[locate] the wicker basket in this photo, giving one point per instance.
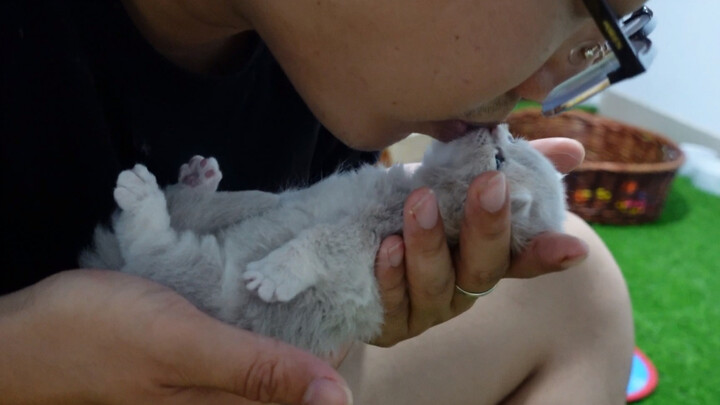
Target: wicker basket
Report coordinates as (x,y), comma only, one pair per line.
(627,170)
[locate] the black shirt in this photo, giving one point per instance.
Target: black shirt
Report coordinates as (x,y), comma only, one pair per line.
(83,96)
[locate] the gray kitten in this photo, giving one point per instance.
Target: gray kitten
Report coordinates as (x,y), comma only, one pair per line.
(298,265)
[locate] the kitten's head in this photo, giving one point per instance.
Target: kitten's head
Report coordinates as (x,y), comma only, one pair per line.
(536,191)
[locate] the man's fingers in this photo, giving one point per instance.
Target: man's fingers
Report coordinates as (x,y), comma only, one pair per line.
(206,353)
(484,251)
(206,396)
(428,262)
(390,275)
(548,252)
(566,154)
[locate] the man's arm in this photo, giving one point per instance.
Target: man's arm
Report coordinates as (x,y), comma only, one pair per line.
(91,336)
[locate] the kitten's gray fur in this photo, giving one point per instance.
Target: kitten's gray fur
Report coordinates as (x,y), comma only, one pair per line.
(299,265)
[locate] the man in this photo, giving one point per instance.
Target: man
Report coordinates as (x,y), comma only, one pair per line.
(91,87)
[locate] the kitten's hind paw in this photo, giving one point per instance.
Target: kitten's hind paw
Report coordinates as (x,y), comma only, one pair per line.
(201,174)
(280,277)
(134,187)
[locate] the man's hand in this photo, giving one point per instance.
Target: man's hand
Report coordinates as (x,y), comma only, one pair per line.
(109,338)
(417,272)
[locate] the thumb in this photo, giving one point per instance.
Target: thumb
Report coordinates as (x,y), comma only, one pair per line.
(211,354)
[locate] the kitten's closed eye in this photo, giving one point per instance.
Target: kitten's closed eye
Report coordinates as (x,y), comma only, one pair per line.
(499,158)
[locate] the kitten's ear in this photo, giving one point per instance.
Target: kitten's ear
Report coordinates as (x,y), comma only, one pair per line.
(520,202)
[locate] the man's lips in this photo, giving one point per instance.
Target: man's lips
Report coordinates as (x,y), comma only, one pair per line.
(450,130)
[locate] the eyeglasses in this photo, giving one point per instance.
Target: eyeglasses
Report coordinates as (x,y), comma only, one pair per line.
(626,53)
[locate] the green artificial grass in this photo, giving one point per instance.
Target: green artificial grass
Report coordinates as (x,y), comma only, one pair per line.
(672,267)
(532,104)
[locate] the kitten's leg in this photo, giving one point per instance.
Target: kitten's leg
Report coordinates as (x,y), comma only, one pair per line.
(285,272)
(189,264)
(317,255)
(144,214)
(194,204)
(200,174)
(138,195)
(143,209)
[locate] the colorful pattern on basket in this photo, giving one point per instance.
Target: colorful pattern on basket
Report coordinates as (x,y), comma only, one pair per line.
(633,203)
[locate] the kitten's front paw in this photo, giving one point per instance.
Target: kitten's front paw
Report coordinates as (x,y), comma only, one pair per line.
(201,174)
(134,187)
(279,277)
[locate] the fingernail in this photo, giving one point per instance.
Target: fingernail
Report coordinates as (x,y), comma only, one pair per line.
(492,197)
(572,262)
(395,254)
(425,211)
(576,259)
(563,161)
(327,392)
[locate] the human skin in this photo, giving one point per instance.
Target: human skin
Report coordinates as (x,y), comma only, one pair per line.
(563,338)
(373,72)
(104,337)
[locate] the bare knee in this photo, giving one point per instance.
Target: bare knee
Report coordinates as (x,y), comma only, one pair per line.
(591,332)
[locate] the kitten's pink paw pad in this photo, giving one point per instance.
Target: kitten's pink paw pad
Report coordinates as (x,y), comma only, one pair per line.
(200,172)
(134,187)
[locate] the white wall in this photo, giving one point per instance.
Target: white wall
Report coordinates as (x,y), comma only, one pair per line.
(679,96)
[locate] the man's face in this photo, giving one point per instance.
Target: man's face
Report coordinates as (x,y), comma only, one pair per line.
(374,71)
